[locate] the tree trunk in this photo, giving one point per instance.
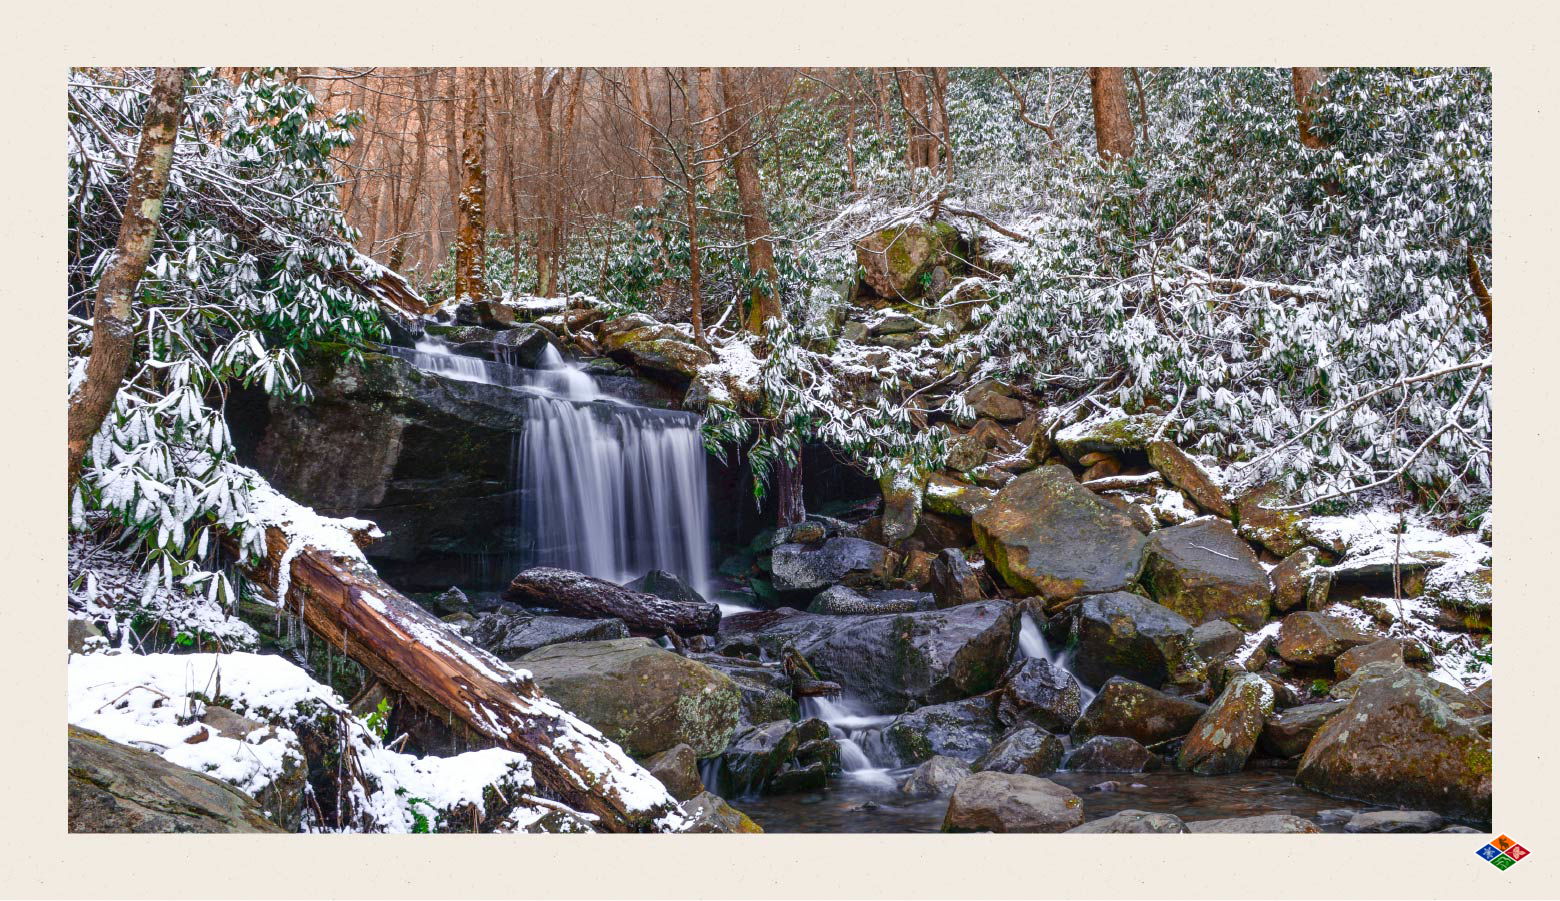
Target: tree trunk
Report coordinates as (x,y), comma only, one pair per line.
(920,144)
(452,169)
(577,594)
(470,251)
(709,129)
(1112,119)
(788,492)
(941,130)
(403,226)
(1305,80)
(691,192)
(113,313)
(765,301)
(647,185)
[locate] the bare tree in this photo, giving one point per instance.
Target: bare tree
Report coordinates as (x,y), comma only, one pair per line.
(470,247)
(709,129)
(765,298)
(1305,80)
(1112,119)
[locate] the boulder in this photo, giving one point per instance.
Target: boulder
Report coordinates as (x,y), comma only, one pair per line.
(671,360)
(1117,434)
(953,581)
(1461,595)
(897,262)
(113,787)
(936,777)
(512,635)
(1227,733)
(677,768)
(1027,749)
(994,400)
(1184,472)
(903,491)
(523,345)
(1316,639)
(952,497)
(965,730)
(1048,535)
(1037,693)
(1217,639)
(1288,733)
(1348,688)
(710,813)
(1299,583)
(838,600)
(1485,693)
(1204,571)
(1267,823)
(1405,740)
(493,314)
(1132,822)
(1109,754)
(807,568)
(1395,821)
(1132,709)
(1280,531)
(1011,802)
(668,586)
(1121,634)
(757,754)
(1387,650)
(82,635)
(642,697)
(450,602)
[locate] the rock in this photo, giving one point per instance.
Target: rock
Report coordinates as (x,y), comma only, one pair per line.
(1395,821)
(640,696)
(512,635)
(1027,749)
(677,768)
(837,600)
(1048,535)
(897,262)
(1459,830)
(965,730)
(1462,596)
(953,581)
(1387,650)
(1316,639)
(524,345)
(670,360)
(853,561)
(1227,733)
(1485,693)
(1217,639)
(903,491)
(1184,472)
(1288,733)
(1268,823)
(1039,694)
(1299,583)
(1405,740)
(1131,709)
(1129,822)
(757,754)
(1113,433)
(450,602)
(710,813)
(952,497)
(666,585)
(1121,634)
(1010,802)
(916,572)
(1204,571)
(1279,531)
(117,788)
(83,636)
(229,724)
(936,777)
(493,314)
(994,400)
(1348,688)
(896,323)
(1109,754)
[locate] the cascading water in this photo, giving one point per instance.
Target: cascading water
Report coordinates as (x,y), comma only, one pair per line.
(859,737)
(1032,644)
(435,356)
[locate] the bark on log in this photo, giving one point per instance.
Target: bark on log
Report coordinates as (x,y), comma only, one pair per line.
(581,595)
(420,658)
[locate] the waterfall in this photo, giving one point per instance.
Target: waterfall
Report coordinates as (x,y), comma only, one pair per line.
(1032,644)
(435,356)
(858,735)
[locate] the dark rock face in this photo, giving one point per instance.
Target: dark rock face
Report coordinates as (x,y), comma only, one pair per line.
(1405,740)
(1217,640)
(1008,802)
(117,788)
(1039,694)
(839,600)
(964,730)
(953,581)
(1133,822)
(677,768)
(1288,733)
(936,778)
(855,562)
(1109,754)
(1299,582)
(1027,749)
(1134,710)
(1204,571)
(1227,733)
(1048,535)
(666,585)
(1121,634)
(1315,639)
(1268,823)
(1185,473)
(512,635)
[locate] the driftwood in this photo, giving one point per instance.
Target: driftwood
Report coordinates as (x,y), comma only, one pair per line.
(814,688)
(581,595)
(421,659)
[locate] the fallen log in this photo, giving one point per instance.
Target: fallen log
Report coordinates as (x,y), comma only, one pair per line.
(815,688)
(580,595)
(342,600)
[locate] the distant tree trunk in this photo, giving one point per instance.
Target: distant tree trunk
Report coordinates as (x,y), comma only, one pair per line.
(113,314)
(648,187)
(403,226)
(920,142)
(557,225)
(470,250)
(452,170)
(765,299)
(1112,119)
(941,130)
(543,91)
(691,192)
(1305,80)
(788,492)
(709,129)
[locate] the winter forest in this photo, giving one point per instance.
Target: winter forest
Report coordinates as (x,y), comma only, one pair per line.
(538,450)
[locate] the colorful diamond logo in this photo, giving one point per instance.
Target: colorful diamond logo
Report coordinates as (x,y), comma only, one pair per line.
(1489,852)
(1516,852)
(1503,862)
(1503,842)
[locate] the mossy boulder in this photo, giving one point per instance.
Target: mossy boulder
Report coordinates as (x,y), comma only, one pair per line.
(709,813)
(1316,639)
(953,497)
(902,494)
(964,730)
(677,768)
(1027,749)
(1122,634)
(1280,531)
(1184,472)
(856,562)
(1109,754)
(1204,571)
(1134,710)
(897,262)
(1227,733)
(1300,582)
(1011,802)
(1117,434)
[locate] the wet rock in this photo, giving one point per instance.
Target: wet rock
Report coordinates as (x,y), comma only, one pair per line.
(710,813)
(1048,535)
(666,585)
(677,768)
(1109,754)
(853,561)
(1395,821)
(953,581)
(640,696)
(1485,693)
(1217,640)
(1346,689)
(1316,639)
(1227,733)
(1268,823)
(1121,634)
(965,730)
(839,600)
(116,788)
(757,754)
(994,400)
(1027,749)
(1288,733)
(1132,822)
(1299,582)
(1279,531)
(1204,571)
(952,497)
(83,635)
(512,635)
(1184,472)
(1405,740)
(936,777)
(1387,650)
(1134,710)
(897,262)
(450,602)
(1115,434)
(1040,694)
(1011,802)
(915,571)
(903,491)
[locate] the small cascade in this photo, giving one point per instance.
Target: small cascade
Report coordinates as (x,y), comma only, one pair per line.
(435,356)
(859,737)
(1032,644)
